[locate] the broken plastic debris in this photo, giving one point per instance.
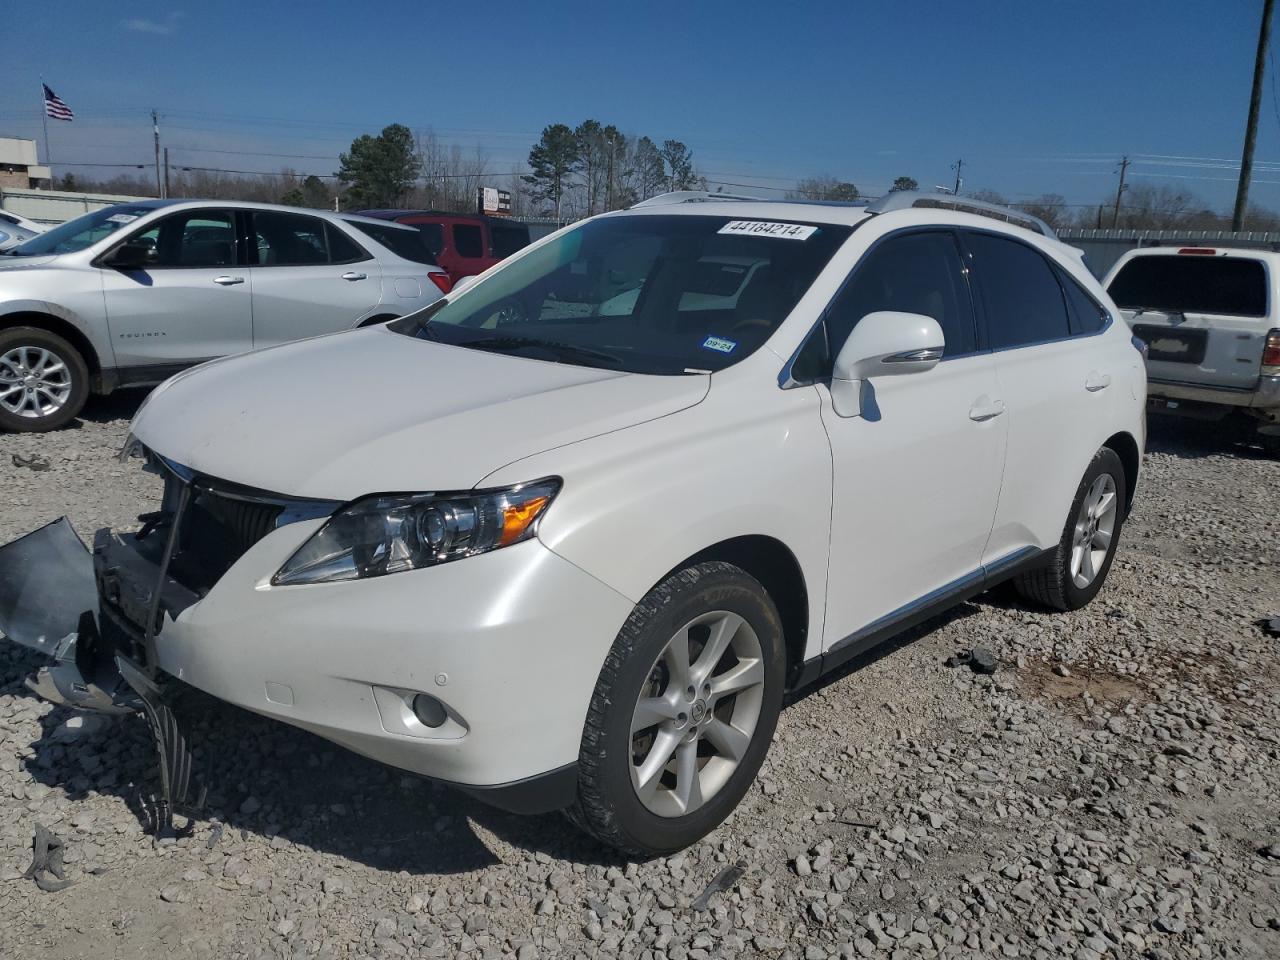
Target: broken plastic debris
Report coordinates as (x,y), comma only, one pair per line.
(726,879)
(979,660)
(46,859)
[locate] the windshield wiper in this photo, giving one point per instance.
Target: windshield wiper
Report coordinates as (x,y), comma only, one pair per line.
(566,350)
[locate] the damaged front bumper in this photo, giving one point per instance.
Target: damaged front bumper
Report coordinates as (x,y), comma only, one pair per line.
(510,642)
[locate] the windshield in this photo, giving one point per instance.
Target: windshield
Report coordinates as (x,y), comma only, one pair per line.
(81,232)
(1225,286)
(407,244)
(646,294)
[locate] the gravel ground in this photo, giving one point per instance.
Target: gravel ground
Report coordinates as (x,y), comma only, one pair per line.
(1113,790)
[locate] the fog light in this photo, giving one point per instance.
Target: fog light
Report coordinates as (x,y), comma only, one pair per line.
(429,711)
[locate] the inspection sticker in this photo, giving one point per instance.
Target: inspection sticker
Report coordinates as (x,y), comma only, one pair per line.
(121,218)
(768,228)
(719,344)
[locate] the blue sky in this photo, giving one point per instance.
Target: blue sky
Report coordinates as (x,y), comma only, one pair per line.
(1036,96)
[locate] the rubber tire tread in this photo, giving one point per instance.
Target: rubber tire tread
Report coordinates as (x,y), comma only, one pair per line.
(1048,585)
(592,812)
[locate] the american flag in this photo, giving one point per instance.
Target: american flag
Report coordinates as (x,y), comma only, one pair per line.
(54,108)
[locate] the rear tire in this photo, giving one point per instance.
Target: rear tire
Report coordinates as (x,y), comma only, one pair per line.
(1080,563)
(668,750)
(44,382)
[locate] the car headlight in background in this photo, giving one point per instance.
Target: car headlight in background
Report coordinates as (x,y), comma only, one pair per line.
(388,534)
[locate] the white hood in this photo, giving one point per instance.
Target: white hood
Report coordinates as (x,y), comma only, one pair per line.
(373,411)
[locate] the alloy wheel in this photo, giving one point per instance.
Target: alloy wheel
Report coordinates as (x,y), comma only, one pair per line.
(34,382)
(696,713)
(1094,529)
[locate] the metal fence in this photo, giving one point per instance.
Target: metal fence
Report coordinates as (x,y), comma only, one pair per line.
(1102,248)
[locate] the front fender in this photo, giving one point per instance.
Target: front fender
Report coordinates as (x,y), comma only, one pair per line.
(638,502)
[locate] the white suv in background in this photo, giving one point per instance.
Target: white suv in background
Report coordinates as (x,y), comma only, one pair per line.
(131,294)
(573,557)
(1210,317)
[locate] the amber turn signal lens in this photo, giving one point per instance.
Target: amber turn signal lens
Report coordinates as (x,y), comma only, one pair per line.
(516,519)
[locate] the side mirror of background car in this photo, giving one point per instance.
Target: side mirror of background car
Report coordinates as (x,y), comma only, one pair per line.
(883,344)
(131,256)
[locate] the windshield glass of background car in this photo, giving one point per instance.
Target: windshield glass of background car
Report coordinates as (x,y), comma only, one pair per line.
(1227,286)
(647,294)
(81,232)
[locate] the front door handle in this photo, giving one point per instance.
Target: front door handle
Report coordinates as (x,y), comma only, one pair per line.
(353,275)
(1097,381)
(228,281)
(984,408)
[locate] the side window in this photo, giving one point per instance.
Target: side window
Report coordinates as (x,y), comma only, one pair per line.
(1086,314)
(192,238)
(467,240)
(506,239)
(342,249)
(289,239)
(1021,297)
(914,273)
(432,236)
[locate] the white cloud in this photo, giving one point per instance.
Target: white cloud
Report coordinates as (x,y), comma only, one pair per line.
(161,27)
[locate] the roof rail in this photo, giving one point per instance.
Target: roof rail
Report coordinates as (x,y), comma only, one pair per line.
(906,199)
(689,196)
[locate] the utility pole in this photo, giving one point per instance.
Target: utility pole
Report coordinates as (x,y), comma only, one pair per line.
(1124,165)
(166,171)
(958,166)
(1251,127)
(155,130)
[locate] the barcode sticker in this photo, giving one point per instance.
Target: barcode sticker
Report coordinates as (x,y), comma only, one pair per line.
(768,228)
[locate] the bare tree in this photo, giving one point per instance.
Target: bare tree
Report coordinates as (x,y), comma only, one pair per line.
(824,187)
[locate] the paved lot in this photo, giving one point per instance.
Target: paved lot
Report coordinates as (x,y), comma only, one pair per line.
(1114,789)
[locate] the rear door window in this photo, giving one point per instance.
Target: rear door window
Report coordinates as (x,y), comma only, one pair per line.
(289,239)
(1228,286)
(432,237)
(1022,299)
(468,240)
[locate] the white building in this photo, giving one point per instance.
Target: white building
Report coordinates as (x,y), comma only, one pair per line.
(19,166)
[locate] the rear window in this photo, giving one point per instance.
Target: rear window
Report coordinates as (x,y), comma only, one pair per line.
(404,243)
(1230,286)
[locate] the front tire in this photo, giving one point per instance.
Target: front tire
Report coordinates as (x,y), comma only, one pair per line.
(1082,559)
(682,713)
(44,381)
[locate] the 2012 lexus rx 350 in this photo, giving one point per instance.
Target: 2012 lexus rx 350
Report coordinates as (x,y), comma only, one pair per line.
(565,539)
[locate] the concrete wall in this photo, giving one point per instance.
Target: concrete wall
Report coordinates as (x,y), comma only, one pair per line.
(55,206)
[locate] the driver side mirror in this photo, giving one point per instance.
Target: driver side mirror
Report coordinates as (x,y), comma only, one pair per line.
(131,256)
(886,343)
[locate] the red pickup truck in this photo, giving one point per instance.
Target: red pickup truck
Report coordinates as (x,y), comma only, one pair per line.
(464,244)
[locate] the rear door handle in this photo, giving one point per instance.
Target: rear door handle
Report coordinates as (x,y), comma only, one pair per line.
(228,281)
(1097,381)
(984,408)
(353,275)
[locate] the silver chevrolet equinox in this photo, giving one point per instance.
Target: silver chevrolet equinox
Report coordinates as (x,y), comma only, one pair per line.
(131,294)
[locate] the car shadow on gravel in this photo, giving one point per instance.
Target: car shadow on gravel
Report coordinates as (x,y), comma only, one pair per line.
(267,778)
(1194,439)
(886,649)
(120,405)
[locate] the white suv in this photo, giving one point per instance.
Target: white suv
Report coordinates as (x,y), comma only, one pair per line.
(1210,317)
(567,558)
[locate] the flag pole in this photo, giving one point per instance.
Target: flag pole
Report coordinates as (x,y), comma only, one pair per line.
(44,121)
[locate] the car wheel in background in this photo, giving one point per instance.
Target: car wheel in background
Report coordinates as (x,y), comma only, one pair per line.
(44,381)
(1080,563)
(682,713)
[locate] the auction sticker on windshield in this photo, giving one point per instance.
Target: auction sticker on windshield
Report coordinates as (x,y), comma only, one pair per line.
(767,228)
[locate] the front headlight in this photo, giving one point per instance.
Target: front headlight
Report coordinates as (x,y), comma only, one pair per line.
(388,534)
